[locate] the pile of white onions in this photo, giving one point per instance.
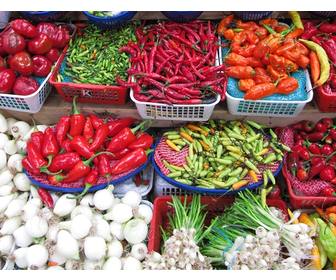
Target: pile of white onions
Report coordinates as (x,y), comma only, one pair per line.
(99,231)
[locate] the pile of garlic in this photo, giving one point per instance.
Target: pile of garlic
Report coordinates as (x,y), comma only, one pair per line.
(180,252)
(98,231)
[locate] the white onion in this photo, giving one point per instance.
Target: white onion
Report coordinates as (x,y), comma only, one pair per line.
(103,199)
(94,248)
(66,245)
(139,251)
(58,259)
(115,249)
(3,124)
(131,263)
(81,209)
(15,207)
(6,244)
(112,263)
(20,129)
(80,226)
(87,200)
(22,238)
(132,198)
(10,225)
(5,200)
(36,226)
(121,213)
(102,229)
(6,176)
(117,230)
(64,205)
(10,147)
(20,257)
(93,265)
(31,208)
(10,123)
(22,182)
(6,189)
(36,256)
(3,159)
(135,231)
(3,140)
(144,212)
(14,163)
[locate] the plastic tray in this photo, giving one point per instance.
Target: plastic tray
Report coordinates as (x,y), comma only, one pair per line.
(87,93)
(299,202)
(110,22)
(93,188)
(30,103)
(159,111)
(215,206)
(204,190)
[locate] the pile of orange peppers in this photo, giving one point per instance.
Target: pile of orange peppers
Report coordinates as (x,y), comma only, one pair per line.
(262,56)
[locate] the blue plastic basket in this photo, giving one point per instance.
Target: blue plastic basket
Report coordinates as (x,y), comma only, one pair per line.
(206,191)
(253,15)
(110,22)
(43,16)
(324,13)
(182,16)
(93,188)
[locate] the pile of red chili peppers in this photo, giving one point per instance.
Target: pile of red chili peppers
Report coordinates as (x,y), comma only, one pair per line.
(324,34)
(314,153)
(87,147)
(174,63)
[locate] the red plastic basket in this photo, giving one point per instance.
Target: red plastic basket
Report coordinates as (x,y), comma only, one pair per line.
(215,206)
(88,93)
(302,202)
(325,102)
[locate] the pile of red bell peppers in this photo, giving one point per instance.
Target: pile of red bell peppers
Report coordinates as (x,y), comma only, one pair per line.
(87,147)
(314,153)
(324,34)
(27,50)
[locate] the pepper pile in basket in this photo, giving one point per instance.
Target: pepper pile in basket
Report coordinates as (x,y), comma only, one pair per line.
(93,57)
(67,152)
(262,56)
(30,51)
(224,154)
(174,63)
(314,153)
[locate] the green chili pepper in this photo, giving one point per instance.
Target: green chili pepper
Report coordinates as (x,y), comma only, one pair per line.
(224,173)
(250,165)
(223,161)
(270,158)
(255,125)
(175,174)
(265,179)
(252,138)
(219,151)
(183,181)
(270,176)
(173,136)
(243,174)
(225,184)
(236,172)
(327,239)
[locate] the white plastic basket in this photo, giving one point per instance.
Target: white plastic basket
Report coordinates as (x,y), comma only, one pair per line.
(269,108)
(160,111)
(30,103)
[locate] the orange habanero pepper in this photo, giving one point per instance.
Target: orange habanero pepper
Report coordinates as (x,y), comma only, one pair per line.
(260,91)
(234,59)
(287,85)
(223,24)
(240,72)
(246,84)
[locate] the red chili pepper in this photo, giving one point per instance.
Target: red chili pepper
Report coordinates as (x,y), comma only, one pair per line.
(66,146)
(61,37)
(314,149)
(328,140)
(132,160)
(307,126)
(7,80)
(79,171)
(328,192)
(137,179)
(46,197)
(79,144)
(88,130)
(100,137)
(315,137)
(302,174)
(144,141)
(332,134)
(77,120)
(96,121)
(104,168)
(36,138)
(328,122)
(327,27)
(116,126)
(321,127)
(50,147)
(316,169)
(304,153)
(316,160)
(35,157)
(62,129)
(120,154)
(90,180)
(326,149)
(29,167)
(297,126)
(64,162)
(327,173)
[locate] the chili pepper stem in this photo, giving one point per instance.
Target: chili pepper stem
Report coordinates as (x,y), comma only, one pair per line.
(75,110)
(84,192)
(45,170)
(142,126)
(88,161)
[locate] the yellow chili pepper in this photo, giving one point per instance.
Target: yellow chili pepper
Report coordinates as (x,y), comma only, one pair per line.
(295,17)
(197,128)
(263,152)
(291,215)
(304,218)
(172,145)
(205,145)
(253,175)
(333,228)
(316,260)
(186,136)
(239,184)
(206,165)
(323,58)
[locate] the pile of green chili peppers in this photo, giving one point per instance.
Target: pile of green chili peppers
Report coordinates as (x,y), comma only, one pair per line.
(224,154)
(94,58)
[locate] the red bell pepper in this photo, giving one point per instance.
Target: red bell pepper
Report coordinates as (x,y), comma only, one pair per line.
(61,37)
(21,62)
(326,149)
(116,125)
(36,138)
(89,181)
(88,131)
(96,121)
(100,137)
(53,55)
(79,145)
(24,28)
(79,171)
(327,27)
(104,168)
(3,64)
(29,167)
(62,129)
(41,65)
(25,86)
(124,138)
(77,120)
(47,28)
(46,197)
(13,43)
(327,173)
(50,147)
(132,160)
(35,156)
(41,44)
(7,80)
(144,141)
(66,146)
(64,162)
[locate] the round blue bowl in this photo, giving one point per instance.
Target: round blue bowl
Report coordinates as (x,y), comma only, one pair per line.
(182,16)
(110,22)
(252,15)
(43,16)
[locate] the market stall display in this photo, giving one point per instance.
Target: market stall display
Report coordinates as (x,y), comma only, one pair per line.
(109,20)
